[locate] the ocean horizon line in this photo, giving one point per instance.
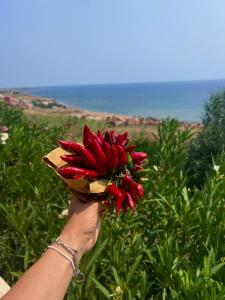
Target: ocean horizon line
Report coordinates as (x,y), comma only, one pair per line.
(110,83)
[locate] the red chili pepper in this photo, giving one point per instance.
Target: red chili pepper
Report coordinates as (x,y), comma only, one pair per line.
(122,155)
(113,135)
(122,139)
(132,190)
(130,148)
(114,190)
(88,158)
(100,157)
(139,163)
(118,193)
(125,142)
(130,201)
(108,137)
(106,148)
(140,190)
(127,180)
(136,168)
(70,172)
(137,156)
(88,136)
(100,135)
(77,177)
(72,159)
(130,186)
(113,158)
(88,173)
(91,174)
(118,203)
(71,146)
(66,172)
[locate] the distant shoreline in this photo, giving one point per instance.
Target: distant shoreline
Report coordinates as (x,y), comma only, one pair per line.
(33,104)
(109,83)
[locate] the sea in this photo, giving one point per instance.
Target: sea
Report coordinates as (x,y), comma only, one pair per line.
(183,100)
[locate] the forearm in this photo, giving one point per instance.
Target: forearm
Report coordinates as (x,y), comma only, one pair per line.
(47,279)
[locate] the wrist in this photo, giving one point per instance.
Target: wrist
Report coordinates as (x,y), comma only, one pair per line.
(70,255)
(72,240)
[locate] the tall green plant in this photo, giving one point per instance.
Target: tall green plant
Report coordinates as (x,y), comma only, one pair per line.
(209,142)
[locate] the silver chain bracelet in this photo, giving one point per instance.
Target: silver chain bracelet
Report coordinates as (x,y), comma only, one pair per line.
(80,277)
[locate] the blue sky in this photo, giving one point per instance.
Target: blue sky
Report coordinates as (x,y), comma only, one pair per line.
(55,42)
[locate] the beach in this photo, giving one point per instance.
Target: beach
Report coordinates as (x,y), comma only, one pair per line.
(39,105)
(182,100)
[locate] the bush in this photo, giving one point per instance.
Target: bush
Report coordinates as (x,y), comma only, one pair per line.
(28,203)
(10,116)
(40,104)
(210,142)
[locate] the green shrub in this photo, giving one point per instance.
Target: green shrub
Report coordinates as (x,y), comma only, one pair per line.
(29,204)
(210,142)
(10,115)
(53,104)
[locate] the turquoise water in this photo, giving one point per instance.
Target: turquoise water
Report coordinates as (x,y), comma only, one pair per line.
(183,100)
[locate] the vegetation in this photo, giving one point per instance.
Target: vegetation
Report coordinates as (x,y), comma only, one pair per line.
(210,142)
(40,104)
(171,248)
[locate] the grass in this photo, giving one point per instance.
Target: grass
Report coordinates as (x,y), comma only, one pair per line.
(172,247)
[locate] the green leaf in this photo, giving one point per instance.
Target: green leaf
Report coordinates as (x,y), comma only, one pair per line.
(130,161)
(116,276)
(216,268)
(95,254)
(102,289)
(133,269)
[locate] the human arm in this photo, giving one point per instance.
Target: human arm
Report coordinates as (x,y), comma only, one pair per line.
(49,277)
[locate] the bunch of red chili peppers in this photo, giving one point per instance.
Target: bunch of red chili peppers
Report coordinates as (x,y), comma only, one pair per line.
(108,158)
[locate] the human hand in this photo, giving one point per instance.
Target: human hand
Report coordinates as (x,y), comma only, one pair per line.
(84,220)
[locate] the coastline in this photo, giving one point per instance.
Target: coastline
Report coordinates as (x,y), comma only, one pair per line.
(33,105)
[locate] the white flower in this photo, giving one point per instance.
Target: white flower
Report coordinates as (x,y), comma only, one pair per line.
(4,137)
(156,168)
(216,168)
(63,214)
